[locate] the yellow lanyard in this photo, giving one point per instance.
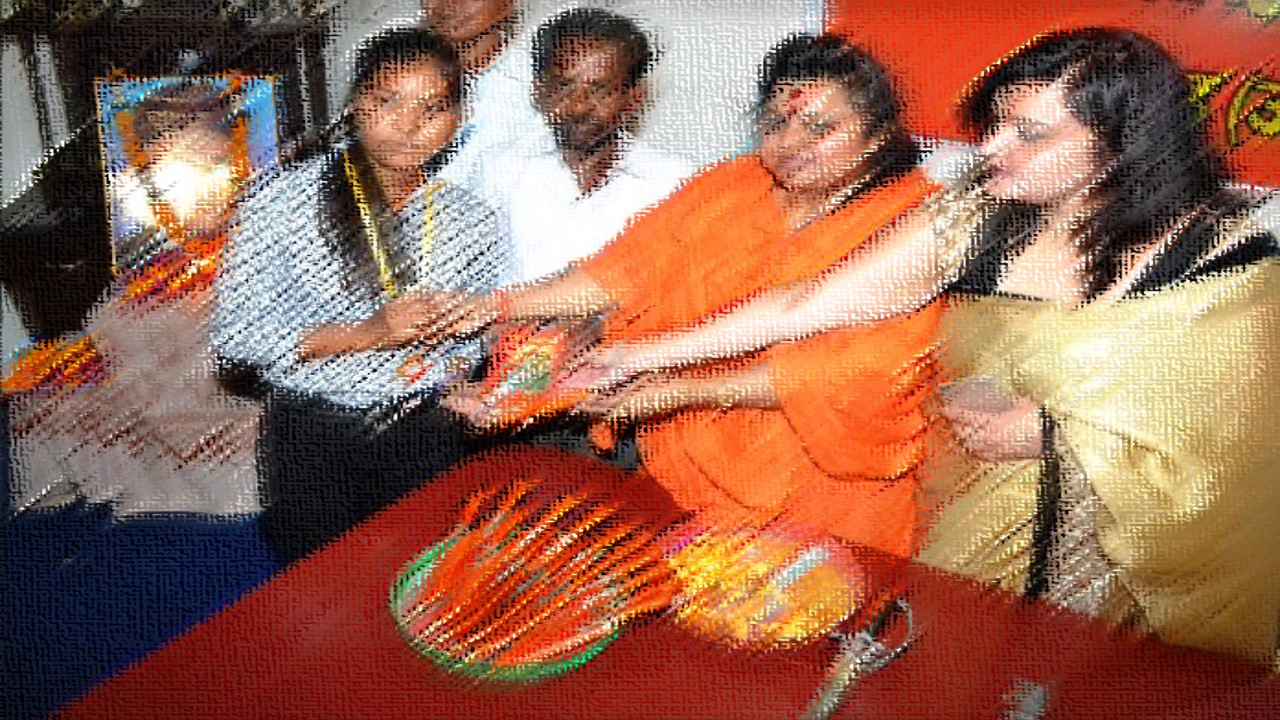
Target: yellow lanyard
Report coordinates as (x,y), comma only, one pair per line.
(369,223)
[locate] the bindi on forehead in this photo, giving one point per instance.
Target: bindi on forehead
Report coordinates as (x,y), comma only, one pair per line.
(811,99)
(797,100)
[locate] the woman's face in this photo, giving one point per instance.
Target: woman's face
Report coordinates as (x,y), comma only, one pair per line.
(406,115)
(811,137)
(1038,151)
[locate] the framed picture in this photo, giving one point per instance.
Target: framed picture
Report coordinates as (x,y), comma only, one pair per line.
(177,151)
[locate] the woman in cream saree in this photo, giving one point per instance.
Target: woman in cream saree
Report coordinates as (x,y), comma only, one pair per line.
(1152,503)
(1119,392)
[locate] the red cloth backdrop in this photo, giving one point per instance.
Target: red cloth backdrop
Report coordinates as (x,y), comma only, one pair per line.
(935,48)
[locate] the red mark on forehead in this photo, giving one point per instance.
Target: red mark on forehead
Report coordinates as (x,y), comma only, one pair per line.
(797,99)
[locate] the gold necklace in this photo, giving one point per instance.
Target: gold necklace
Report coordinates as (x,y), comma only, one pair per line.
(369,223)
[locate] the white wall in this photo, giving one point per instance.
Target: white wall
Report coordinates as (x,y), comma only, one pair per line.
(18,130)
(354,20)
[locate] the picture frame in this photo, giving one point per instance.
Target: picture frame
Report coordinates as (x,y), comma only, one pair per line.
(132,193)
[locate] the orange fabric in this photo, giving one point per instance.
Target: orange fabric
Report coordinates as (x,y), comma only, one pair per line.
(840,454)
(1211,38)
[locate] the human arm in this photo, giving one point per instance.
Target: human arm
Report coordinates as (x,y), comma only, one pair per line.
(607,279)
(898,272)
(245,308)
(429,316)
(661,394)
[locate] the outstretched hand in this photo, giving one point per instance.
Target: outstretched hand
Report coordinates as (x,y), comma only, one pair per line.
(433,315)
(331,339)
(648,397)
(992,424)
(600,370)
(423,316)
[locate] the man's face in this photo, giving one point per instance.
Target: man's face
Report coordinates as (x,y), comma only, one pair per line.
(584,97)
(460,21)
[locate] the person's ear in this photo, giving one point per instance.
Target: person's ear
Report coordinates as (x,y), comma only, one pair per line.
(637,100)
(638,95)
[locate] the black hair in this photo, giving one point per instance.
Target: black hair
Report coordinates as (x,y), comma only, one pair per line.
(1136,99)
(594,24)
(805,57)
(401,46)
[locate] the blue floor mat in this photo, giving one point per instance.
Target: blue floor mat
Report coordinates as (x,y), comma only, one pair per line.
(84,594)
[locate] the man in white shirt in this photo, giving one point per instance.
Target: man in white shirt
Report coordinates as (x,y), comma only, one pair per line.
(572,177)
(498,112)
(570,191)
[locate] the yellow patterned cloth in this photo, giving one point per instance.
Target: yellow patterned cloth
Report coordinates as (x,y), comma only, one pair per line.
(1168,407)
(762,588)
